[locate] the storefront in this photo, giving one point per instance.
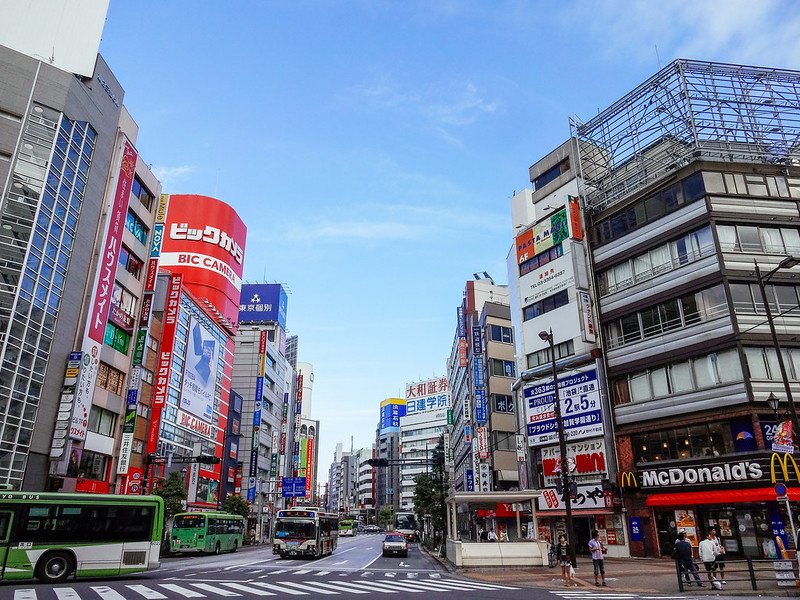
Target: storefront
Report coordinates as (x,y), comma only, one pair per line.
(733,493)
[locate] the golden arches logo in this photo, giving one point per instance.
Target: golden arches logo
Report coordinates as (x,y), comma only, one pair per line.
(628,479)
(783,460)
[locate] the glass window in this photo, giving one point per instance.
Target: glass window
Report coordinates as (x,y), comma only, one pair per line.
(714,183)
(642,267)
(704,372)
(680,377)
(742,300)
(651,323)
(670,315)
(640,387)
(727,237)
(787,297)
(791,240)
(691,307)
(693,187)
(660,258)
(622,274)
(658,378)
(771,240)
(756,364)
(501,334)
(749,239)
(630,328)
(714,300)
(729,367)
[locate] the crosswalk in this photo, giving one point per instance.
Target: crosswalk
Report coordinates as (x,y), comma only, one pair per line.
(215,589)
(591,594)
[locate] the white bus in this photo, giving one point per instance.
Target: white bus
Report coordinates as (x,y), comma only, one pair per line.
(305,531)
(406,523)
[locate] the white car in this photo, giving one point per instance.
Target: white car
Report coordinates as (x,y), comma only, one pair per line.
(395,543)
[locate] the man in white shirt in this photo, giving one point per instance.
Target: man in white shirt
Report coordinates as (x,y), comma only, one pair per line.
(708,554)
(492,536)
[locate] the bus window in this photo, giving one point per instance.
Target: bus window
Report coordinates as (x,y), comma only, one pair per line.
(189,521)
(298,529)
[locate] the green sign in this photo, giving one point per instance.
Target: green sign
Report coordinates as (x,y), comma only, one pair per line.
(138,349)
(449,416)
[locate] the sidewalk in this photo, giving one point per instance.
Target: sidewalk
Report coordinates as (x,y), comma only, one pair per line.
(630,575)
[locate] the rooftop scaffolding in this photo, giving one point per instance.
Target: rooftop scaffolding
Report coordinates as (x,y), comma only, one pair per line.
(689,110)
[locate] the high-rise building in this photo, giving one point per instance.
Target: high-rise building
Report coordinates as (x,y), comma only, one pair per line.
(292,346)
(692,209)
(387,447)
(365,483)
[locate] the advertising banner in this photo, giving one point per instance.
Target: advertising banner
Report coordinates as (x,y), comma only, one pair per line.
(588,332)
(64,415)
(550,231)
(524,245)
(309,465)
(470,481)
(477,371)
(461,325)
(482,437)
(481,408)
(589,496)
(200,371)
(462,352)
(555,276)
(484,477)
(782,438)
(391,411)
(477,345)
(522,448)
(263,302)
(129,424)
(581,409)
(205,241)
(586,459)
(576,229)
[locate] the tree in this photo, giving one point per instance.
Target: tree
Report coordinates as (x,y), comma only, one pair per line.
(236,505)
(173,491)
(430,491)
(386,515)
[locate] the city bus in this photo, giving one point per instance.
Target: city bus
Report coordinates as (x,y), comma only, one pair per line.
(305,531)
(200,532)
(406,523)
(51,536)
(348,527)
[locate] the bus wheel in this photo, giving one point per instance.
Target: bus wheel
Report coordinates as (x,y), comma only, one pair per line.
(235,546)
(217,548)
(54,567)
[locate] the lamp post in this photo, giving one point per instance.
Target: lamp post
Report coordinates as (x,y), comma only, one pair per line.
(786,263)
(547,336)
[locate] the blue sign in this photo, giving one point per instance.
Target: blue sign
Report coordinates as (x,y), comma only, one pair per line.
(262,302)
(461,323)
(477,368)
(470,481)
(467,435)
(158,237)
(293,487)
(635,527)
(259,388)
(477,347)
(481,410)
(390,416)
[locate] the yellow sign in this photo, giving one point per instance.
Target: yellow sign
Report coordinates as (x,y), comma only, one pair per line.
(161,210)
(628,479)
(783,460)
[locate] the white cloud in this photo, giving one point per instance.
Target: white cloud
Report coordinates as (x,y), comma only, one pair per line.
(168,175)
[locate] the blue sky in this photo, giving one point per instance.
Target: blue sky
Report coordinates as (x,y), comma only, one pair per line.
(372,147)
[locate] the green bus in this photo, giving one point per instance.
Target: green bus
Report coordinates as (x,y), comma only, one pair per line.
(348,527)
(51,536)
(199,532)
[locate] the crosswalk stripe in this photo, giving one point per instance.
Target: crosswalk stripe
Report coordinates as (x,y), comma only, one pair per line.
(66,593)
(278,588)
(321,573)
(178,589)
(336,586)
(283,570)
(403,586)
(25,594)
(302,571)
(248,589)
(106,593)
(368,585)
(146,592)
(476,584)
(438,587)
(214,589)
(307,587)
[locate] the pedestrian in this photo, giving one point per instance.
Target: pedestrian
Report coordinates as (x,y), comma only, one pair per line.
(491,536)
(708,555)
(252,535)
(564,557)
(598,551)
(483,535)
(683,555)
(719,554)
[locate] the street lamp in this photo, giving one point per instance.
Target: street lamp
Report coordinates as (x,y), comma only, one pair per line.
(786,263)
(773,402)
(547,336)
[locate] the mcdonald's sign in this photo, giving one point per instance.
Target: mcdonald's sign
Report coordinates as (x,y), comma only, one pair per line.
(783,460)
(628,479)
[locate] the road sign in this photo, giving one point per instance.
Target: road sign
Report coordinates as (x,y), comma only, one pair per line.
(780,490)
(293,487)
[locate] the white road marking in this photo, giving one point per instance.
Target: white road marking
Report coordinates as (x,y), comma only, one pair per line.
(278,588)
(369,585)
(178,589)
(255,562)
(341,562)
(284,570)
(321,573)
(408,586)
(392,574)
(248,589)
(214,590)
(25,594)
(388,586)
(106,593)
(66,593)
(145,591)
(479,585)
(335,586)
(308,588)
(435,575)
(304,571)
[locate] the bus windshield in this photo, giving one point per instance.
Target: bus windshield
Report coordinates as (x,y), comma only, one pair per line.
(189,522)
(405,521)
(295,528)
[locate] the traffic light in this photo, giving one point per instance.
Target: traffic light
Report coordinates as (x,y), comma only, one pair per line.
(207,460)
(378,462)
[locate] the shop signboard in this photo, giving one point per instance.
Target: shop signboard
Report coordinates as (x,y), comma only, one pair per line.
(470,481)
(557,275)
(482,438)
(484,477)
(481,410)
(263,302)
(581,408)
(635,529)
(589,496)
(461,324)
(585,459)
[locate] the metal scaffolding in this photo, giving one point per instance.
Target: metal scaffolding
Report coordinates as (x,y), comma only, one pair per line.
(689,110)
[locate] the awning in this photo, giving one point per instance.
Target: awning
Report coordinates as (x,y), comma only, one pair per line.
(719,497)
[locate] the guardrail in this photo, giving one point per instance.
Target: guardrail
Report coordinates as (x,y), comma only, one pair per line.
(745,574)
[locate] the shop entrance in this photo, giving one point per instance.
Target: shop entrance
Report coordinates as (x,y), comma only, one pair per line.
(748,530)
(667,531)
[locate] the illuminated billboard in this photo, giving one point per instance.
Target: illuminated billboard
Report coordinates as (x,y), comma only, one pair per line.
(204,240)
(263,302)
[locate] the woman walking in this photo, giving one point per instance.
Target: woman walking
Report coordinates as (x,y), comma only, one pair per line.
(564,557)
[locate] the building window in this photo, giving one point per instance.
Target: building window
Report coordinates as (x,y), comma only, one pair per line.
(139,190)
(706,439)
(117,338)
(542,357)
(129,262)
(93,465)
(701,372)
(147,376)
(143,410)
(152,343)
(551,174)
(746,298)
(775,186)
(138,446)
(766,240)
(503,403)
(762,363)
(544,306)
(102,421)
(269,360)
(503,441)
(136,227)
(669,315)
(649,209)
(123,299)
(662,259)
(541,259)
(502,334)
(110,379)
(502,368)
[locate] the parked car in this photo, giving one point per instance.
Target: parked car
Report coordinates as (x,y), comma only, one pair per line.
(395,543)
(372,529)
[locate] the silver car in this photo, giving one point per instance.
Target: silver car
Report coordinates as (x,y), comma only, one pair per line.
(395,544)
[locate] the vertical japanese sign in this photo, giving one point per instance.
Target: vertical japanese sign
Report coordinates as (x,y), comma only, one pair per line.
(576,229)
(477,341)
(161,388)
(481,409)
(65,409)
(259,391)
(309,465)
(588,332)
(482,437)
(484,477)
(470,481)
(102,289)
(461,325)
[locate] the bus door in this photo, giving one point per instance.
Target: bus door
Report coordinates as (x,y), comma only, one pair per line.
(6,521)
